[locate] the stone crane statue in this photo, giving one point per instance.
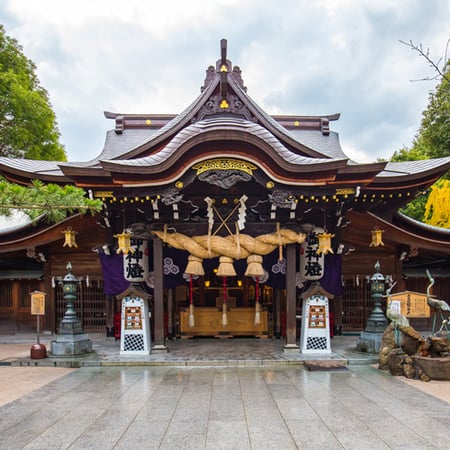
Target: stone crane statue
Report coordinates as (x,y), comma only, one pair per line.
(394,315)
(434,303)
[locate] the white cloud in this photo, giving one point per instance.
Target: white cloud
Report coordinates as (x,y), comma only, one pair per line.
(298,56)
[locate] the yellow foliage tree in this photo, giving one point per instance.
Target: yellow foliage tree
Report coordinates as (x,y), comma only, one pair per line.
(437,208)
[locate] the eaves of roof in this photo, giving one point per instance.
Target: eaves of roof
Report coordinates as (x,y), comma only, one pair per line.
(412,170)
(16,169)
(230,129)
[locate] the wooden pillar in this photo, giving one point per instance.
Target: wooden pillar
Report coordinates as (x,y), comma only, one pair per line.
(109,312)
(277,312)
(291,321)
(158,290)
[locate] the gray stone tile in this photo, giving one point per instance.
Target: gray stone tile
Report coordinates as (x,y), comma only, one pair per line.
(312,434)
(271,441)
(177,441)
(224,434)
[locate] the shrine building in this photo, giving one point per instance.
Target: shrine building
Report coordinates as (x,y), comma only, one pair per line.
(225,216)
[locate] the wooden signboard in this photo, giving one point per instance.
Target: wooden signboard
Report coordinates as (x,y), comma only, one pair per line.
(133,318)
(38,303)
(413,305)
(317,316)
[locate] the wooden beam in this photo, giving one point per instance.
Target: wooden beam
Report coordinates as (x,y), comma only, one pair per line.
(291,321)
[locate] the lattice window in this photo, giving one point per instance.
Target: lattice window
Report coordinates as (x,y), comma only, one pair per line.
(25,288)
(357,305)
(6,300)
(90,306)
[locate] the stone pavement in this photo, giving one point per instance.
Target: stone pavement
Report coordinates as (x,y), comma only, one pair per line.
(225,407)
(209,394)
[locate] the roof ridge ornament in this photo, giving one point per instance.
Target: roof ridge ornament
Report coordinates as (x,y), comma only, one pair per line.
(223,68)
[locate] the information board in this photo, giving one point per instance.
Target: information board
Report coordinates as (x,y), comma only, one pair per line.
(135,327)
(315,332)
(37,303)
(413,305)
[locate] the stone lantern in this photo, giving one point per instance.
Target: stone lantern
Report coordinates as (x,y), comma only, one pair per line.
(370,339)
(70,339)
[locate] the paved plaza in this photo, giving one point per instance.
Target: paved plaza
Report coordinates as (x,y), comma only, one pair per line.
(230,407)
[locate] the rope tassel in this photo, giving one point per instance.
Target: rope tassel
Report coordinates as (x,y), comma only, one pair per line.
(191,302)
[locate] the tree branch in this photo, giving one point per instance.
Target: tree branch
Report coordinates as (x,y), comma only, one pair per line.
(440,73)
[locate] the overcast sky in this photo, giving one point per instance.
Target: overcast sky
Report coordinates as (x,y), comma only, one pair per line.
(297,57)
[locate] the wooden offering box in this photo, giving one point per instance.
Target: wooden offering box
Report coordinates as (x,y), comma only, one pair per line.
(208,322)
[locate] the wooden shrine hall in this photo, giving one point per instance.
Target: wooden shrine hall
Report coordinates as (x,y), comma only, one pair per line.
(224,215)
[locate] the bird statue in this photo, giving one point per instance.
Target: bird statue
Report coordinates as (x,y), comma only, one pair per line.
(437,305)
(395,316)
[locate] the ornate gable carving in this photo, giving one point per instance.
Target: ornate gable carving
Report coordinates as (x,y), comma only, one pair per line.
(231,104)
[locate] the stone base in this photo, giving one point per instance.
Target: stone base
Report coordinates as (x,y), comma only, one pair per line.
(291,348)
(437,368)
(369,342)
(71,345)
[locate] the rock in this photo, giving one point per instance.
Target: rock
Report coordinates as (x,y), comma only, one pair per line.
(435,368)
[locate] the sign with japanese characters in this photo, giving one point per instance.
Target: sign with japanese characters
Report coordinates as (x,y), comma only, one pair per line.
(135,263)
(38,303)
(133,318)
(311,263)
(412,304)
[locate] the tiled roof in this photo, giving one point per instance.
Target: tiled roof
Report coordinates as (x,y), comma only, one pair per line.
(408,168)
(223,123)
(33,166)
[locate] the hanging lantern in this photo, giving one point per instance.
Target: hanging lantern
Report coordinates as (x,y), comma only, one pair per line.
(194,266)
(69,236)
(377,237)
(124,243)
(324,243)
(226,268)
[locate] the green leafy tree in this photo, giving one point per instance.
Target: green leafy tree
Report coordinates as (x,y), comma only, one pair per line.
(28,126)
(431,141)
(54,201)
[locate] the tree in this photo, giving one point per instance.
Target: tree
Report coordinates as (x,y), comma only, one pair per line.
(28,126)
(54,201)
(431,141)
(436,208)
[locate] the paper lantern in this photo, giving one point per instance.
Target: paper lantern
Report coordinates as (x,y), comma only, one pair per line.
(325,243)
(69,236)
(377,237)
(123,243)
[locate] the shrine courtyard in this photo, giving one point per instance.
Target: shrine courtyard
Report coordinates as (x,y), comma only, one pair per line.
(245,404)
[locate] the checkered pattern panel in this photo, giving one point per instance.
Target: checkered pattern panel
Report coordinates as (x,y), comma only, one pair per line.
(133,342)
(316,343)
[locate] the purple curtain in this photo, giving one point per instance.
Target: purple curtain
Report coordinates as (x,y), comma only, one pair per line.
(332,276)
(114,282)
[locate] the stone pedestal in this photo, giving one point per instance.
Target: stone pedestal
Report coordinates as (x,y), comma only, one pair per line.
(71,345)
(369,342)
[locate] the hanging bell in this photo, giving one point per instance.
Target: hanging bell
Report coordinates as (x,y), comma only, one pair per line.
(226,268)
(194,266)
(254,266)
